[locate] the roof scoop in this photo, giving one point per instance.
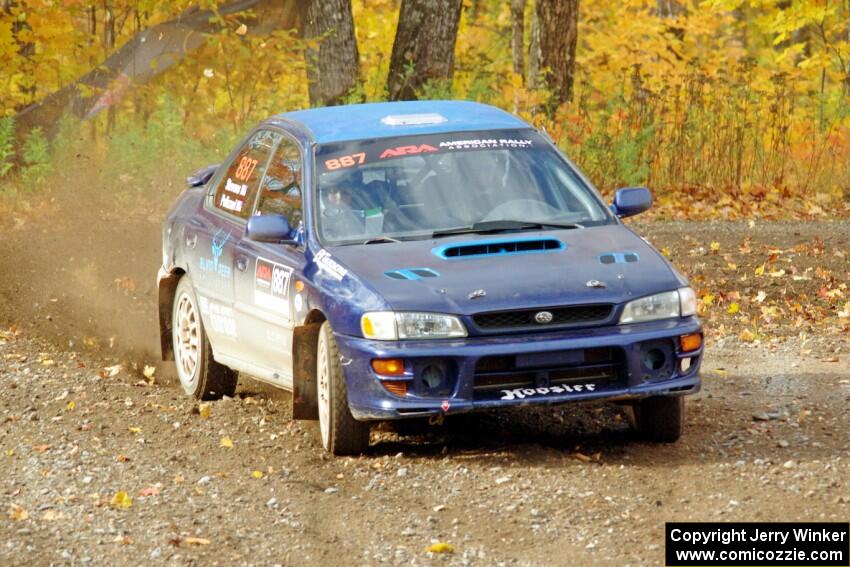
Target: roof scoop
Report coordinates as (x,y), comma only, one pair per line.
(413,119)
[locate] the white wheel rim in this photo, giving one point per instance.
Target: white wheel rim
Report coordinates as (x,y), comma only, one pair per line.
(187,340)
(324,391)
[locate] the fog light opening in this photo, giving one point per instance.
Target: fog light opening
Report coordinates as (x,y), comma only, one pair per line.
(432,377)
(654,359)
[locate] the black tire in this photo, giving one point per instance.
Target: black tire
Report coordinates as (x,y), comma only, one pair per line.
(206,379)
(660,419)
(339,432)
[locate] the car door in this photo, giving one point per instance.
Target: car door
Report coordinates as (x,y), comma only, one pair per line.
(219,227)
(266,298)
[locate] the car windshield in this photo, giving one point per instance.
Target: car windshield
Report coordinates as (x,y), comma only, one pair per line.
(426,186)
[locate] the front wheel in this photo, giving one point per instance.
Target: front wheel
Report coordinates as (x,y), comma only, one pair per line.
(660,418)
(341,434)
(200,375)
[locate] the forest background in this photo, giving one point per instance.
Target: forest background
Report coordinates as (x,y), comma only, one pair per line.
(725,108)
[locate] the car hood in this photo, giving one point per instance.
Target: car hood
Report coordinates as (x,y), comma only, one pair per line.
(622,264)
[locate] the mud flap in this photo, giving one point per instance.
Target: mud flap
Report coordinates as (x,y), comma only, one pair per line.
(166,285)
(305,395)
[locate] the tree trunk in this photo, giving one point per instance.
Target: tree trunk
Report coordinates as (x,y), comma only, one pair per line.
(333,68)
(424,46)
(534,54)
(145,56)
(558,24)
(518,35)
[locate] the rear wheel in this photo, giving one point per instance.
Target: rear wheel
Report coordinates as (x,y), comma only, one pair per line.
(200,375)
(341,434)
(660,418)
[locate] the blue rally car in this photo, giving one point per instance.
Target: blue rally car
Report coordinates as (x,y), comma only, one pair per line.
(400,260)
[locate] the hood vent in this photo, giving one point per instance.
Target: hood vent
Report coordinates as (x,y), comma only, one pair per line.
(411,274)
(481,248)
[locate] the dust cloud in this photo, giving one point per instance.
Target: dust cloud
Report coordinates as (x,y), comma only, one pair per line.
(78,262)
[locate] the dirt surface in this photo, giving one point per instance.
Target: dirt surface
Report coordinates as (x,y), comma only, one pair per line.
(100,464)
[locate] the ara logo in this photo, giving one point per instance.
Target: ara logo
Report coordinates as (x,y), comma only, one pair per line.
(213,265)
(408,151)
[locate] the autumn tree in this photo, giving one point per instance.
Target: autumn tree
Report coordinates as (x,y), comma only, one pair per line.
(553,50)
(423,50)
(333,64)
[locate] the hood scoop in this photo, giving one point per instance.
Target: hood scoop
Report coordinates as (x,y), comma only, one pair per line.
(481,248)
(411,274)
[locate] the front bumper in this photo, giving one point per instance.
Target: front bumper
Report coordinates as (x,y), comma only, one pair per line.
(369,400)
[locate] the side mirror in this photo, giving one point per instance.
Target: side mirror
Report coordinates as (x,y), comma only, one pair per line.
(269,228)
(200,177)
(631,201)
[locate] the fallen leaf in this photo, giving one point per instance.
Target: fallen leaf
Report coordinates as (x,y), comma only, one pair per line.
(197,541)
(149,491)
(121,500)
(581,457)
(721,372)
(134,429)
(761,296)
(747,336)
(51,515)
(226,442)
(831,359)
(112,370)
(18,513)
(257,474)
(205,410)
(149,371)
(40,448)
(441,547)
(734,308)
(48,362)
(715,247)
(122,458)
(72,405)
(760,270)
(242,30)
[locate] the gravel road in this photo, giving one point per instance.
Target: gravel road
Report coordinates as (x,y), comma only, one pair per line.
(102,464)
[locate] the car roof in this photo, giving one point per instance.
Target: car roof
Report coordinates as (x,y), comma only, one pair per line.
(364,121)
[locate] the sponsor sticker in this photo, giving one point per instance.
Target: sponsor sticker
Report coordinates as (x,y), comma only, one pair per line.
(220,317)
(479,144)
(522,393)
(271,286)
(330,266)
(213,264)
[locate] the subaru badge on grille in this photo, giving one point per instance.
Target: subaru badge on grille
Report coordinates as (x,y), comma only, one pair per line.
(543,317)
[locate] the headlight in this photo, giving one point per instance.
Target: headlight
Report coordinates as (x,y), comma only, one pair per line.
(667,305)
(391,326)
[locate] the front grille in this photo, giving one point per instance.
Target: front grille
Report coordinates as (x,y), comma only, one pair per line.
(599,366)
(561,316)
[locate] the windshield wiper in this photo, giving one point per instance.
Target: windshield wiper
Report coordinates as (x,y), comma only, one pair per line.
(500,225)
(380,239)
